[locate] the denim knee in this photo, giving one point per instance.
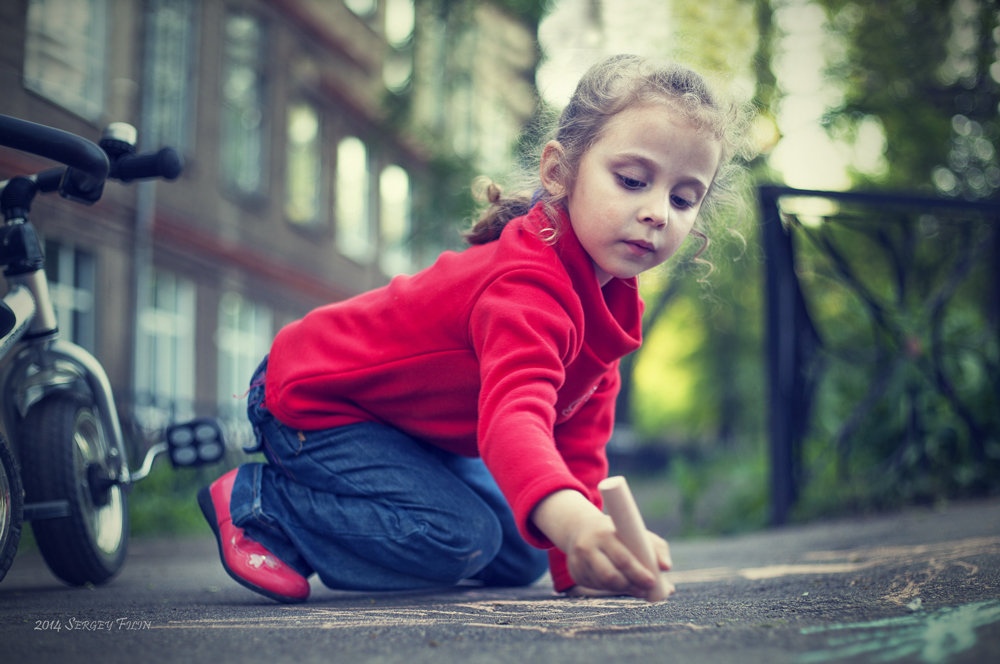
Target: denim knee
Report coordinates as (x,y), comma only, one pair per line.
(460,552)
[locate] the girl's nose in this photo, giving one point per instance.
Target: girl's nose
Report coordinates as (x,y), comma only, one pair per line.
(655,211)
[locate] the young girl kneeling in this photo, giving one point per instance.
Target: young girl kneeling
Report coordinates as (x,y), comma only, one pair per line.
(452,424)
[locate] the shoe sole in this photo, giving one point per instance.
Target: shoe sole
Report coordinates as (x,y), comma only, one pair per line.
(208,509)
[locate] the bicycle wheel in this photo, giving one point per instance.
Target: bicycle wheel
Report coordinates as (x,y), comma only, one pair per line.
(67,457)
(11,506)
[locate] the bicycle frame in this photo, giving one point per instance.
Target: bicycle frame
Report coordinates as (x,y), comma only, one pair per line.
(34,361)
(63,448)
(42,364)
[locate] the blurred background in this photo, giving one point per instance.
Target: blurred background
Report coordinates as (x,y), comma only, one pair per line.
(848,363)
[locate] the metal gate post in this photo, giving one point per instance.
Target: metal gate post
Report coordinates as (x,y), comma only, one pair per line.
(780,331)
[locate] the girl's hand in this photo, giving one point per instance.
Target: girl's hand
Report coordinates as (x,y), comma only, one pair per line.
(597,559)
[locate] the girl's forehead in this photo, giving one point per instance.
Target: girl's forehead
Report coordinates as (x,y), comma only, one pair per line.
(670,109)
(641,117)
(657,136)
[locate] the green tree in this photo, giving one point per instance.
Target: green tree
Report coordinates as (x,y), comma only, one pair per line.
(927,71)
(906,300)
(720,307)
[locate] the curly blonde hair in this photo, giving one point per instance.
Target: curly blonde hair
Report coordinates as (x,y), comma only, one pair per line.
(608,88)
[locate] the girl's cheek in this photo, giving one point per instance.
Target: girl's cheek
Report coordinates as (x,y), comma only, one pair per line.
(671,247)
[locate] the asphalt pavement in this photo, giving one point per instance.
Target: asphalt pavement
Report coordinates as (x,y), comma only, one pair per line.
(917,586)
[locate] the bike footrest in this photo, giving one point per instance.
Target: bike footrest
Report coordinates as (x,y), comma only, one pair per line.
(195,443)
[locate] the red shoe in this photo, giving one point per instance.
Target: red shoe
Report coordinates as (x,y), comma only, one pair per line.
(247,561)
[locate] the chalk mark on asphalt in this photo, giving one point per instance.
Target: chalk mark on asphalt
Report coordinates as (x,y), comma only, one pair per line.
(935,556)
(919,566)
(560,616)
(932,637)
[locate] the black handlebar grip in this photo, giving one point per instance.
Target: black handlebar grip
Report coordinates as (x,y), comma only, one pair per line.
(165,163)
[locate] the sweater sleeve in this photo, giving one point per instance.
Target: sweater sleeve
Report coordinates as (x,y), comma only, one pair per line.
(525,329)
(582,441)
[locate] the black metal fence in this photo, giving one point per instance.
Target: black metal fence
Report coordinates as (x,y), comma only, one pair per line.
(883,344)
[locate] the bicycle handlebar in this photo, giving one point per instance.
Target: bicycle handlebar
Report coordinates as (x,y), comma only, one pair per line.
(165,163)
(76,152)
(89,164)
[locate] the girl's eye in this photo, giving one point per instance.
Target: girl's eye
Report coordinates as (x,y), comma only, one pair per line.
(630,183)
(682,203)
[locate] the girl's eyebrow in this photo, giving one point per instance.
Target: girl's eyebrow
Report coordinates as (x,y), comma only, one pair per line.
(647,162)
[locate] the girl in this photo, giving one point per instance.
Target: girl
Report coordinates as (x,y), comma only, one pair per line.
(452,424)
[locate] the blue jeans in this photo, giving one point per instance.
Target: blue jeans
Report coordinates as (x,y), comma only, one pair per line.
(367,507)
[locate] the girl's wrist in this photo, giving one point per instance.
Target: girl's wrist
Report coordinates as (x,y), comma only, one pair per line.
(561,514)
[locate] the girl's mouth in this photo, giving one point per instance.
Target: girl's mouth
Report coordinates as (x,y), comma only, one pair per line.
(640,247)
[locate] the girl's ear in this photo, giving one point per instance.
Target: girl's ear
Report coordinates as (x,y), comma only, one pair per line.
(551,168)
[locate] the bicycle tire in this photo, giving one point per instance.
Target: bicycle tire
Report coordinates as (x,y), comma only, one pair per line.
(62,445)
(11,506)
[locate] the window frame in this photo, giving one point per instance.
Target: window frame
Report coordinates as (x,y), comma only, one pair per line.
(170,53)
(318,169)
(239,351)
(164,383)
(253,143)
(72,280)
(51,32)
(355,238)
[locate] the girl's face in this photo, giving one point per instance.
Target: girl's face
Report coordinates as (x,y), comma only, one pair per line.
(638,189)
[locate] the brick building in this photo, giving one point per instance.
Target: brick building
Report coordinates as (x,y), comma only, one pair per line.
(309,129)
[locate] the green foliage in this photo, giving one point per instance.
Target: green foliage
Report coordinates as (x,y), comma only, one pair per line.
(166,501)
(722,491)
(699,373)
(530,11)
(906,405)
(905,410)
(920,66)
(889,70)
(446,196)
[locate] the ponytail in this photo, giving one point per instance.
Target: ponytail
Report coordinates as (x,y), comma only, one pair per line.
(500,211)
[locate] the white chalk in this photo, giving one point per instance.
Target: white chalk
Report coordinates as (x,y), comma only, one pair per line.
(620,506)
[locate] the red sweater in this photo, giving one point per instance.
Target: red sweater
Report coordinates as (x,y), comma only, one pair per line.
(507,350)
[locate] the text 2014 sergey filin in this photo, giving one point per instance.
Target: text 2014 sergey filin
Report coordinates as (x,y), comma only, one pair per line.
(88,625)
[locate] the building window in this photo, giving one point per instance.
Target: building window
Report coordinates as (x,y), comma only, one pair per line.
(399,22)
(170,56)
(64,53)
(363,8)
(165,352)
(397,71)
(242,129)
(72,274)
(354,226)
(398,66)
(303,170)
(394,207)
(243,339)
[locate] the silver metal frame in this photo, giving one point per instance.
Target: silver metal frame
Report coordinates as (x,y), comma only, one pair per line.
(43,364)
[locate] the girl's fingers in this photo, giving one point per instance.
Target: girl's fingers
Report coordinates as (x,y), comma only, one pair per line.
(638,579)
(662,550)
(612,567)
